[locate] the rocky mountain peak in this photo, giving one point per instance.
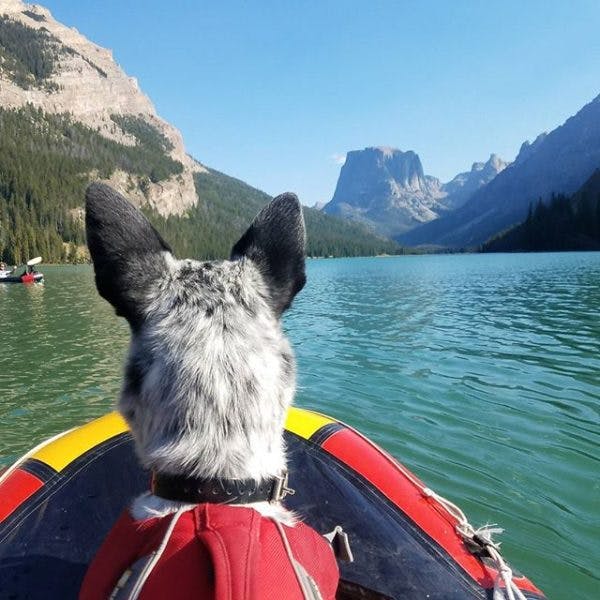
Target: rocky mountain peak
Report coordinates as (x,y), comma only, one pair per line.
(494,164)
(83,79)
(464,185)
(386,188)
(529,148)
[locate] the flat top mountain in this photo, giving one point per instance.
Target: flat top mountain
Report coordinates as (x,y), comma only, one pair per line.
(388,189)
(556,163)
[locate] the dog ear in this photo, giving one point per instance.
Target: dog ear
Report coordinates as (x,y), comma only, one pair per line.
(126,250)
(276,242)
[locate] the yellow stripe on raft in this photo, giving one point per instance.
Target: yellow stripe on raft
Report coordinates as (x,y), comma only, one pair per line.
(64,450)
(305,422)
(61,452)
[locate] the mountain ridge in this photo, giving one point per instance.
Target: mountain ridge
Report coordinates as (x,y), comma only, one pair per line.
(464,185)
(565,223)
(558,162)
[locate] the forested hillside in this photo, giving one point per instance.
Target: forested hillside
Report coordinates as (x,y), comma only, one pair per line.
(27,56)
(46,162)
(565,223)
(226,207)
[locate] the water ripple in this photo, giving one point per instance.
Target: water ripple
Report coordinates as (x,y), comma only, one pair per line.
(480,372)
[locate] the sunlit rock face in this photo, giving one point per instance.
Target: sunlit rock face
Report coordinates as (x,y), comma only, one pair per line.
(87,83)
(385,188)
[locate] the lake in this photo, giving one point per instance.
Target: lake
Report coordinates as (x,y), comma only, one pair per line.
(480,372)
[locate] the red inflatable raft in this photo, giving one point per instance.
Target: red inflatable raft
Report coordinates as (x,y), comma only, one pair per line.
(60,500)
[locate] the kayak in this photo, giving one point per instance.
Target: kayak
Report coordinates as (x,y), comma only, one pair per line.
(27,278)
(60,500)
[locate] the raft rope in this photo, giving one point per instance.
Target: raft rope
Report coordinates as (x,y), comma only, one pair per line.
(482,538)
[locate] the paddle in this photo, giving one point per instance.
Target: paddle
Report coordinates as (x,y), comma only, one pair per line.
(34,261)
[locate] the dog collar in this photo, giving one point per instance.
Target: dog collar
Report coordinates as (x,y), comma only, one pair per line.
(196,490)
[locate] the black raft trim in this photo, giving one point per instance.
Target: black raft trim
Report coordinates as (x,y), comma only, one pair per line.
(40,469)
(320,436)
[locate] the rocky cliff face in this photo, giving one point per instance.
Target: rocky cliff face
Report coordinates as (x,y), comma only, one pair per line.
(388,189)
(85,81)
(385,188)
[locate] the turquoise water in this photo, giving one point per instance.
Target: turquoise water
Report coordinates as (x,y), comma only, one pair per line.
(479,372)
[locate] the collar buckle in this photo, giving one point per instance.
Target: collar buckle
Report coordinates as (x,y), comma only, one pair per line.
(280,488)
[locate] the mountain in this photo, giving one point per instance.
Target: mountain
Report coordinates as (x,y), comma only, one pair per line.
(564,223)
(464,185)
(53,67)
(385,188)
(69,115)
(388,189)
(211,228)
(556,163)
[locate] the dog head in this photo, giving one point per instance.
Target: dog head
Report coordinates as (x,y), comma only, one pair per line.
(209,375)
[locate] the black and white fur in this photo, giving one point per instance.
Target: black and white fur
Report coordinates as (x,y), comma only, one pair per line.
(210,375)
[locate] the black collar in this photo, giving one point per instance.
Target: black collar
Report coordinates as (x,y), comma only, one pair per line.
(195,490)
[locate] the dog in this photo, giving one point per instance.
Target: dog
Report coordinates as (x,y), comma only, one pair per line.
(207,384)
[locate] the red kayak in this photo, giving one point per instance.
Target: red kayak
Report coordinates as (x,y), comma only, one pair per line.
(25,278)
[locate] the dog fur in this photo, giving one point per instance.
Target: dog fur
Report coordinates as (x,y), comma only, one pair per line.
(209,375)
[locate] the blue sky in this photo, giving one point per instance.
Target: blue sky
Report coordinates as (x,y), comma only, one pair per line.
(275,92)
